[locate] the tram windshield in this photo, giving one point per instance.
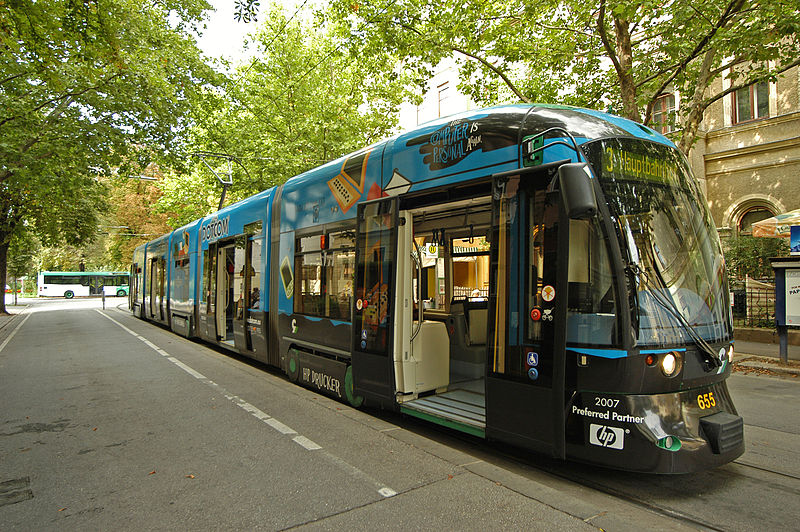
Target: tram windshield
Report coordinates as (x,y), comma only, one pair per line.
(673,247)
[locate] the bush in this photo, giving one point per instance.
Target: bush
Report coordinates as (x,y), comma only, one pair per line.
(749,256)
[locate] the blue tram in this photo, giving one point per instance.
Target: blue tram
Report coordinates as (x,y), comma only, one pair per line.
(540,275)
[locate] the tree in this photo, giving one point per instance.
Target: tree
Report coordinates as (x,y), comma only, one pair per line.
(88,89)
(21,256)
(136,219)
(300,102)
(606,54)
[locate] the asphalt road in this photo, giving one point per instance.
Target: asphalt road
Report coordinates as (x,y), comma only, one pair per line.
(107,422)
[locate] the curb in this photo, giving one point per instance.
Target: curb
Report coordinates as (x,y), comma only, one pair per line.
(5,320)
(750,363)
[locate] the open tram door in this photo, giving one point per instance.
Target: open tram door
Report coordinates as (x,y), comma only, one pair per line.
(526,371)
(373,315)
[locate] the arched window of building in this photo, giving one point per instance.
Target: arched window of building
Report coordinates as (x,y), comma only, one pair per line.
(751,216)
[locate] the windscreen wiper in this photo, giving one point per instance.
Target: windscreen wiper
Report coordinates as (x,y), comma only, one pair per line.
(710,358)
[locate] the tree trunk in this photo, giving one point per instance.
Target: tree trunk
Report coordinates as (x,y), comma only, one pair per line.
(627,84)
(4,244)
(698,104)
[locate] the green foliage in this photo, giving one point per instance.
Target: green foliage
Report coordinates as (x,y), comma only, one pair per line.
(187,197)
(300,102)
(605,54)
(88,89)
(63,258)
(749,256)
(22,255)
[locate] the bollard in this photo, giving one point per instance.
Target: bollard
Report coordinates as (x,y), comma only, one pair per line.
(104,299)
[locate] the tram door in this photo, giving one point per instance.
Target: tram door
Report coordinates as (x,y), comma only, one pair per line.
(243,273)
(225,296)
(155,276)
(373,316)
(208,294)
(527,317)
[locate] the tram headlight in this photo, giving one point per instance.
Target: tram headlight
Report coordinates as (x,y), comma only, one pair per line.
(671,364)
(730,354)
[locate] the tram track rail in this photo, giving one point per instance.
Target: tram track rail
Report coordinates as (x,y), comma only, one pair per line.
(661,510)
(753,466)
(756,478)
(726,498)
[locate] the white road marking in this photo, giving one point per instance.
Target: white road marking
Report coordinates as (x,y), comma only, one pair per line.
(305,442)
(186,368)
(280,427)
(244,405)
(10,336)
(257,413)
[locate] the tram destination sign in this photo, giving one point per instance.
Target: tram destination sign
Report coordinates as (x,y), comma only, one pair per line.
(635,166)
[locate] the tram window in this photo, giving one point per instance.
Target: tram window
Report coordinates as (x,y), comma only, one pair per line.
(239,276)
(591,303)
(470,268)
(324,267)
(339,268)
(255,281)
(308,284)
(434,274)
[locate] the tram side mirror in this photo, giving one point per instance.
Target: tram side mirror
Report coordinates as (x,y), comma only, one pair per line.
(575,182)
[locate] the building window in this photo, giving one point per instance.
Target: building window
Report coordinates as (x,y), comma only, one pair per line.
(751,103)
(663,119)
(751,216)
(444,94)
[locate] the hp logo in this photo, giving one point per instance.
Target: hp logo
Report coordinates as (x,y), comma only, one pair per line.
(610,437)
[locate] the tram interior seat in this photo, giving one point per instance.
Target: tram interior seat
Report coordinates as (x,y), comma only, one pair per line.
(431,349)
(467,323)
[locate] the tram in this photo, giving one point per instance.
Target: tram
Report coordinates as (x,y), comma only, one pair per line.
(540,275)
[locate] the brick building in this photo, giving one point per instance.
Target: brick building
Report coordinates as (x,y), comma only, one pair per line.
(748,152)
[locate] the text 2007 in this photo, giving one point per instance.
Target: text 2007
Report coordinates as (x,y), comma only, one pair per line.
(608,403)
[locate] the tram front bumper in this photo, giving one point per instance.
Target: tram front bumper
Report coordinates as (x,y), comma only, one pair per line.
(676,432)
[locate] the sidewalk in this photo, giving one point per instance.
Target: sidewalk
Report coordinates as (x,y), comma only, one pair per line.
(764,359)
(6,319)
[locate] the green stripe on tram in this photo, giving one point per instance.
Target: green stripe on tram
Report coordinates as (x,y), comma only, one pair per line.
(449,423)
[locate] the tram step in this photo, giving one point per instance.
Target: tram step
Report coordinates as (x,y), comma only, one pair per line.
(724,431)
(461,407)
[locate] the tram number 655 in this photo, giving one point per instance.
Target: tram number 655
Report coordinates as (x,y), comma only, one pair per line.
(706,400)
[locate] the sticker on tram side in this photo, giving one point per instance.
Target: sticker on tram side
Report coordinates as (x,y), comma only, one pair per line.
(605,436)
(325,375)
(606,410)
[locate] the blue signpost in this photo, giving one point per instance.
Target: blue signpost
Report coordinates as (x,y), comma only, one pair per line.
(787,299)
